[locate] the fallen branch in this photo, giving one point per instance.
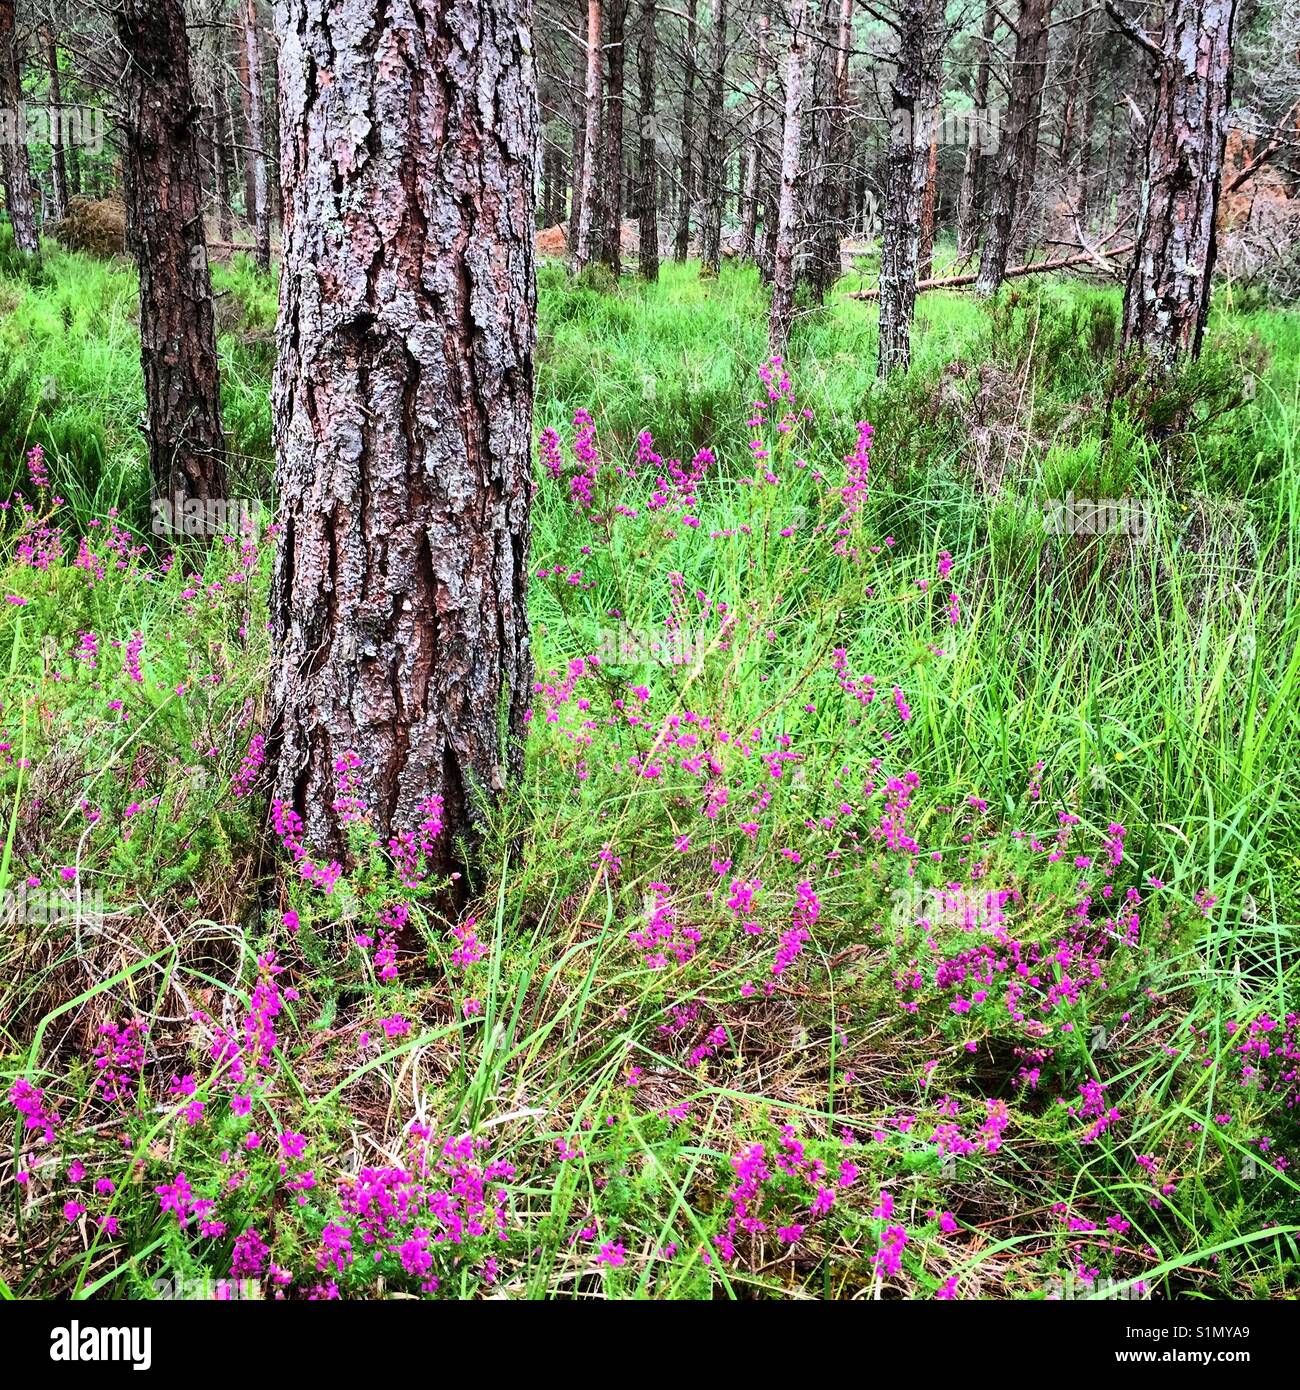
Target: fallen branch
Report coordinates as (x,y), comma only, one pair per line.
(956,282)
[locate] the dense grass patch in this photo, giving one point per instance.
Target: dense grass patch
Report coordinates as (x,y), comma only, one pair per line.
(902,897)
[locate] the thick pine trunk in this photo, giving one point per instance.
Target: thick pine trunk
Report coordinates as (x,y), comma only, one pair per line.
(714,171)
(14,163)
(588,213)
(1014,157)
(259,210)
(754,155)
(787,217)
(403,406)
(1167,295)
(914,101)
(686,196)
(164,200)
(647,192)
(970,202)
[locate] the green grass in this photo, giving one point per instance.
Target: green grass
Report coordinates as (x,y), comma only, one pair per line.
(1148,681)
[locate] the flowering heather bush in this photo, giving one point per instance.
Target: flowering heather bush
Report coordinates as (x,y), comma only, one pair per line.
(835,941)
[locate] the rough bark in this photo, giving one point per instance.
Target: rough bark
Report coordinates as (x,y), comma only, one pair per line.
(682,242)
(588,211)
(754,155)
(165,231)
(914,101)
(1014,156)
(403,403)
(713,175)
(14,162)
(974,174)
(787,218)
(1167,294)
(647,192)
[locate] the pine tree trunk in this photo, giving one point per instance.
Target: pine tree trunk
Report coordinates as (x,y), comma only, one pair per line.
(588,211)
(925,250)
(403,406)
(579,124)
(1167,295)
(611,252)
(223,135)
(714,171)
(787,218)
(754,155)
(1087,117)
(1028,204)
(164,201)
(14,163)
(1013,161)
(259,210)
(682,244)
(814,230)
(914,100)
(648,193)
(970,202)
(58,163)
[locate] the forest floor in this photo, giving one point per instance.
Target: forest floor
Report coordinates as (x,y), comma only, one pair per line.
(902,898)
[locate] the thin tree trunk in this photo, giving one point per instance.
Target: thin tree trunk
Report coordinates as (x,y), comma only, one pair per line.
(1019,127)
(787,219)
(579,135)
(714,173)
(244,149)
(58,163)
(682,245)
(970,202)
(925,249)
(1087,116)
(754,155)
(587,210)
(223,133)
(914,100)
(1167,294)
(611,239)
(164,200)
(1028,205)
(403,405)
(648,196)
(14,162)
(257,135)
